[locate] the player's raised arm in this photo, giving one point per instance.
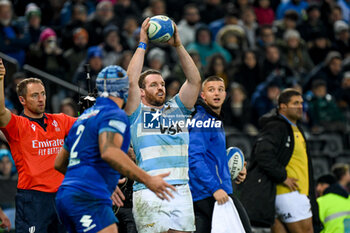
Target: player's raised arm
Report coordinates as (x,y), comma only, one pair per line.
(110,143)
(190,89)
(134,70)
(61,161)
(5,114)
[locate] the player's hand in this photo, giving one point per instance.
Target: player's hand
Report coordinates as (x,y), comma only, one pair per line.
(2,70)
(220,196)
(5,221)
(143,31)
(118,196)
(242,175)
(160,187)
(291,183)
(175,40)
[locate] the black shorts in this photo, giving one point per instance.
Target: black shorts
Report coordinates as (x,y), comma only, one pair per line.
(36,212)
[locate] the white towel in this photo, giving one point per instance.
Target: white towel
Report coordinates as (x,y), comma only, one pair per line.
(226,219)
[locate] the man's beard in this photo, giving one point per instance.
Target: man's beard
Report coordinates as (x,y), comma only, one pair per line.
(153,100)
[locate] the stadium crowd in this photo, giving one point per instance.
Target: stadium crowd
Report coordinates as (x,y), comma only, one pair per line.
(259,48)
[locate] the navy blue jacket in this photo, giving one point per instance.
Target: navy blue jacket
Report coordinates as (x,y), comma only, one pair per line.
(208,163)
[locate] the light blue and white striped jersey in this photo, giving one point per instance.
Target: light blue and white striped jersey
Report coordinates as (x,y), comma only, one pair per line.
(160,140)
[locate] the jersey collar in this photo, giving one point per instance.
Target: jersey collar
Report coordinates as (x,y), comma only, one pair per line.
(40,121)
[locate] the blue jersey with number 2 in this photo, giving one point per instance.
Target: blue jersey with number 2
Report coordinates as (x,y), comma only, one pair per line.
(87,171)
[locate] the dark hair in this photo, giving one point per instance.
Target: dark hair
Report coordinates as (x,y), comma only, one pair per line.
(21,88)
(339,170)
(286,95)
(326,179)
(318,83)
(145,74)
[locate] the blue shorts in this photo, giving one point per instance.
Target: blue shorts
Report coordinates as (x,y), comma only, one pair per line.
(36,212)
(81,212)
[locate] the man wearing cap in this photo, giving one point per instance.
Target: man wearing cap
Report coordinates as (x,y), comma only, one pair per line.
(342,37)
(94,155)
(35,137)
(160,140)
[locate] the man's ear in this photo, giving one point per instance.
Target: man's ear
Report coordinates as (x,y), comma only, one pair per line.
(143,94)
(21,99)
(202,95)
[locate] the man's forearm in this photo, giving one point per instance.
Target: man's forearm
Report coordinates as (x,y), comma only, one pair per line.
(189,67)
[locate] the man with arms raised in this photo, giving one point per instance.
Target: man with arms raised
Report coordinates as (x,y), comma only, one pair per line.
(35,138)
(93,155)
(161,147)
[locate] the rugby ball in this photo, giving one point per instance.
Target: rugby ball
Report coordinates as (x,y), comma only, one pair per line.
(161,29)
(235,161)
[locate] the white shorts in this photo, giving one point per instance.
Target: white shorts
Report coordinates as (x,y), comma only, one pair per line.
(292,207)
(154,215)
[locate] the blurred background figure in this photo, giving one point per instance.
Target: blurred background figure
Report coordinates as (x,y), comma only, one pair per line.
(69,107)
(323,182)
(238,110)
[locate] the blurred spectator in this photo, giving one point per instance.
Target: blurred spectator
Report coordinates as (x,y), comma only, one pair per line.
(7,165)
(112,47)
(273,65)
(94,59)
(78,20)
(129,27)
(237,110)
(180,75)
(334,16)
(323,111)
(211,10)
(13,40)
(343,94)
(77,53)
(69,107)
(312,24)
(11,93)
(217,66)
(250,26)
(242,5)
(103,16)
(33,22)
(232,39)
(294,52)
(334,205)
(342,37)
(206,47)
(266,38)
(345,8)
(323,182)
(298,5)
(156,7)
(231,17)
(248,74)
(264,99)
(69,9)
(329,71)
(125,10)
(319,47)
(264,13)
(47,56)
(124,59)
(289,21)
(188,23)
(157,60)
(172,87)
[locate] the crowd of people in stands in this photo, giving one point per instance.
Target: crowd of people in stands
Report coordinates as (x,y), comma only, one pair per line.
(258,48)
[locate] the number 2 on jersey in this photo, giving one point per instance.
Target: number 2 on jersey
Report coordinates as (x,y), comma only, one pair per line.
(74,154)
